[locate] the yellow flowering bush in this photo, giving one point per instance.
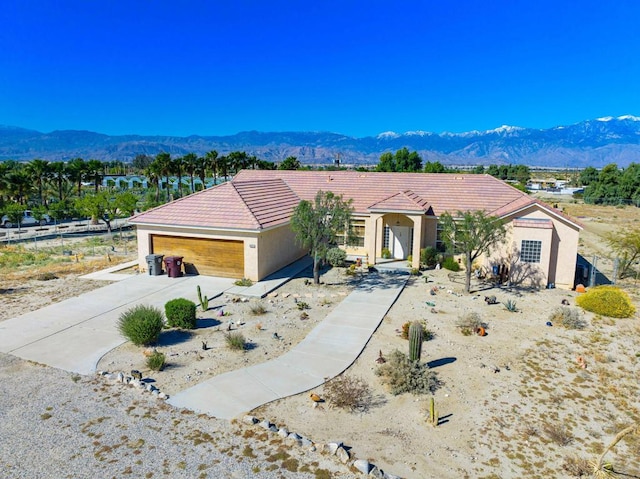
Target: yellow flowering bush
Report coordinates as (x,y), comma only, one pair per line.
(607,301)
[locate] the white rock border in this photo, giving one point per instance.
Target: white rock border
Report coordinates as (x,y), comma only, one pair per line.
(143,386)
(336,448)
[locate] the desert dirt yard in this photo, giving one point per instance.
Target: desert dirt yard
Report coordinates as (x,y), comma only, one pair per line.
(514,403)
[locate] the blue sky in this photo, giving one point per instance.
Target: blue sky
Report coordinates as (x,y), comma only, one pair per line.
(360,68)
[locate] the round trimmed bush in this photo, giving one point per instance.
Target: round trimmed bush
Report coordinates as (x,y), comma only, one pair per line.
(141,324)
(336,257)
(181,313)
(607,301)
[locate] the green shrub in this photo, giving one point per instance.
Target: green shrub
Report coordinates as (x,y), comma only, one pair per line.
(336,257)
(243,282)
(451,264)
(607,301)
(141,324)
(156,361)
(181,313)
(429,257)
(302,305)
(568,317)
(235,341)
(401,375)
(386,254)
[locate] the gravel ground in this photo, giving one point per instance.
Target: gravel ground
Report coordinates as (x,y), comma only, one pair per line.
(57,425)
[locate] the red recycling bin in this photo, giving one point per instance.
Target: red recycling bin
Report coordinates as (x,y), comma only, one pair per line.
(174,266)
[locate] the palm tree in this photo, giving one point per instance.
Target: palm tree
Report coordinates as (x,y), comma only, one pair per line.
(19,184)
(39,171)
(223,167)
(211,159)
(95,169)
(162,167)
(238,160)
(58,176)
(190,161)
(154,178)
(77,170)
(201,169)
(177,165)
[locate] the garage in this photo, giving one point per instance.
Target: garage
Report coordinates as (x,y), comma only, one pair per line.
(212,257)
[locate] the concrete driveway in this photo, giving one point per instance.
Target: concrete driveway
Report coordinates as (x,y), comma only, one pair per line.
(74,334)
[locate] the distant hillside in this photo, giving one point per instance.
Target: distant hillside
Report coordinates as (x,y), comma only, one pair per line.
(589,143)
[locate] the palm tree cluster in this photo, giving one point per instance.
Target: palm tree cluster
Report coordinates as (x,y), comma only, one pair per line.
(73,188)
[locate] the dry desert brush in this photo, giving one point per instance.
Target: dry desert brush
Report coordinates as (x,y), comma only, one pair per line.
(235,341)
(607,301)
(401,375)
(348,392)
(570,318)
(141,324)
(470,322)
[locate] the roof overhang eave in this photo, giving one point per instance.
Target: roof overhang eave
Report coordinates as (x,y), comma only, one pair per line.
(199,227)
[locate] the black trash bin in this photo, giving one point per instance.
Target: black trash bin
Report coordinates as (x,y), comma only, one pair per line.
(174,266)
(154,264)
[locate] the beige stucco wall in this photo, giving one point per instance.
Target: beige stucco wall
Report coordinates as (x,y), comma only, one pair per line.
(559,250)
(277,248)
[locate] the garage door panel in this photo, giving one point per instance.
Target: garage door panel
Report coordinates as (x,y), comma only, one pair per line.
(212,257)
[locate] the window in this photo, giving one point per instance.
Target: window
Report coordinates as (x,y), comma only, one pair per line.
(530,251)
(357,227)
(385,243)
(440,245)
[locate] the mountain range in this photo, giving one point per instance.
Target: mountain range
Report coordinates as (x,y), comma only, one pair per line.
(589,143)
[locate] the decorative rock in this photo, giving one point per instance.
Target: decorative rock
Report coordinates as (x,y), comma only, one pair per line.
(332,447)
(377,473)
(306,442)
(286,295)
(150,388)
(283,432)
(162,395)
(343,455)
(120,377)
(250,420)
(265,424)
(273,428)
(362,465)
(391,476)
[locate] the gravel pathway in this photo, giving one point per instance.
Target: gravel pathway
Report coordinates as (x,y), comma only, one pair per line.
(54,424)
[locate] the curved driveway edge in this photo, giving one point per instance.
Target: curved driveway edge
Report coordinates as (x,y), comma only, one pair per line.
(329,349)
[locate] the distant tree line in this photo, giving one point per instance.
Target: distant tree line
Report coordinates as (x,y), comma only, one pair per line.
(410,162)
(611,185)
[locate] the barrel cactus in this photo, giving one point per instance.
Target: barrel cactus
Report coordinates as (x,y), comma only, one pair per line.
(415,341)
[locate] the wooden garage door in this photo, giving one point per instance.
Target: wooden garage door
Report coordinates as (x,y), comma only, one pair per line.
(209,256)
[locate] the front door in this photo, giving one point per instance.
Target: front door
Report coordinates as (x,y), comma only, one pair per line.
(401,236)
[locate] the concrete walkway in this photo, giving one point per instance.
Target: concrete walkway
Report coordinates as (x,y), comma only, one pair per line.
(74,334)
(326,352)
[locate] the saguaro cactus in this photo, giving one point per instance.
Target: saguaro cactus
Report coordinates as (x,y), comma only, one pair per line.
(433,413)
(415,341)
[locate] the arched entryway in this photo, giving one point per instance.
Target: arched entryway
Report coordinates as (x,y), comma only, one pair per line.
(398,235)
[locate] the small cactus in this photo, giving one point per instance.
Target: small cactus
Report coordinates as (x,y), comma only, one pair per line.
(433,413)
(204,300)
(415,341)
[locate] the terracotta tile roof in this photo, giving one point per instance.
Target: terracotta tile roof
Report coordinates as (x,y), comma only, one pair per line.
(271,202)
(258,199)
(403,201)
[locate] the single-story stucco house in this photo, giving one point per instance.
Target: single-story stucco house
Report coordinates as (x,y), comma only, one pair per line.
(240,228)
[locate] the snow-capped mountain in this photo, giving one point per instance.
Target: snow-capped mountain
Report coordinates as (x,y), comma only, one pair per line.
(588,143)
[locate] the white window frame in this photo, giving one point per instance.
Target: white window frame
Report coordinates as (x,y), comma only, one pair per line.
(530,251)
